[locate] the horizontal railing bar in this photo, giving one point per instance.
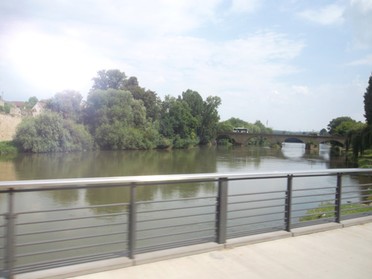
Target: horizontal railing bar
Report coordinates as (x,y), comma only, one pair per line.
(64,261)
(69,249)
(317,201)
(48,184)
(68,239)
(255,223)
(251,201)
(71,219)
(254,208)
(316,214)
(313,195)
(176,208)
(356,185)
(174,217)
(355,197)
(174,226)
(176,200)
(174,234)
(331,218)
(72,228)
(300,210)
(73,208)
(313,189)
(258,215)
(257,193)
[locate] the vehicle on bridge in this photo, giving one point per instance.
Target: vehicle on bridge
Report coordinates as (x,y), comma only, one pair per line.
(240,130)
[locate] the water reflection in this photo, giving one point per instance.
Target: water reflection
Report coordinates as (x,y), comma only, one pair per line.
(293,150)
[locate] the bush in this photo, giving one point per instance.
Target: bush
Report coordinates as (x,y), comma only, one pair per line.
(51,133)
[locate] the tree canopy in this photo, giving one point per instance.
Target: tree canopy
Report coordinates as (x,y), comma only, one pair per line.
(368,102)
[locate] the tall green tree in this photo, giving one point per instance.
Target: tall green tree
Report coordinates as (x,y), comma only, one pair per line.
(68,104)
(341,125)
(210,118)
(368,102)
(106,79)
(118,121)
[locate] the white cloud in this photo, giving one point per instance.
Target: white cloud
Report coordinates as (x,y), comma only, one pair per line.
(367,60)
(328,15)
(244,6)
(359,13)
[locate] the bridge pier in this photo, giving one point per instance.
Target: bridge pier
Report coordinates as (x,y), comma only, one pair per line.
(311,146)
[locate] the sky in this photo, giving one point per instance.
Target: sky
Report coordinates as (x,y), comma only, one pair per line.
(292,64)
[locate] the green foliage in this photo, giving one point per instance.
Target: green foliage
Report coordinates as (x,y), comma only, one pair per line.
(5,108)
(368,102)
(113,79)
(189,120)
(118,121)
(341,125)
(31,102)
(49,132)
(7,148)
(68,104)
(327,210)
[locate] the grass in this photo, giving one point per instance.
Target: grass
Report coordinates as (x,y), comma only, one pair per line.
(328,211)
(7,148)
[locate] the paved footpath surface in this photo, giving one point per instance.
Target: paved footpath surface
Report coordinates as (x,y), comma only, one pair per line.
(339,253)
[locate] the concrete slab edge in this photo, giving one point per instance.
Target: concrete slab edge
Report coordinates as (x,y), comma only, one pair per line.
(357,221)
(177,252)
(246,240)
(315,229)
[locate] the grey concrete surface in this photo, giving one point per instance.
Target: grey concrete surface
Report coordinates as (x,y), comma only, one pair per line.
(338,253)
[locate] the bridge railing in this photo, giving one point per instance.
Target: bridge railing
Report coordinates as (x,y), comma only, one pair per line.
(37,234)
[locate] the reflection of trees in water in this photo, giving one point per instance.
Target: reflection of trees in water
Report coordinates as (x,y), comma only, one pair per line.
(240,157)
(64,197)
(114,163)
(50,166)
(121,195)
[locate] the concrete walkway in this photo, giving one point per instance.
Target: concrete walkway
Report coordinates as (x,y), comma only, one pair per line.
(338,253)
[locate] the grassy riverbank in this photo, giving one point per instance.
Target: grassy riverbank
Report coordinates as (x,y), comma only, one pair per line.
(7,148)
(328,211)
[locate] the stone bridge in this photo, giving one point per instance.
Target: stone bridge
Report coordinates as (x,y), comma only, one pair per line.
(309,140)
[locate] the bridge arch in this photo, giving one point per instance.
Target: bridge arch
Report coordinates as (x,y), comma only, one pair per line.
(309,140)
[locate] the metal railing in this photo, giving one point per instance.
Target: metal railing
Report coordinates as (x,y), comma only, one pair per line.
(40,233)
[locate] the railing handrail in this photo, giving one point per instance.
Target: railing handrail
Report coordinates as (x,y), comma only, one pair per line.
(68,183)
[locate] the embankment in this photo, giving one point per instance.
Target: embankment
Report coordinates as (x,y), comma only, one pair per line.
(8,126)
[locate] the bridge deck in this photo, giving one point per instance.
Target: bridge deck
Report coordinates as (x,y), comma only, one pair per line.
(345,252)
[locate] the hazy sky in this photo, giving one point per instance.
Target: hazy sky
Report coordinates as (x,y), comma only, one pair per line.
(292,64)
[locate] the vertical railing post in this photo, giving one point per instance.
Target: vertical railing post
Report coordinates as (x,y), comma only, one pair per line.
(10,238)
(132,223)
(338,198)
(221,214)
(288,203)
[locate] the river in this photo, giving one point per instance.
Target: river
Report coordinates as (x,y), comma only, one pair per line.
(215,159)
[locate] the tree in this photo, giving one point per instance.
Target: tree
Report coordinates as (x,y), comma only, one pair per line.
(31,102)
(118,121)
(113,78)
(68,104)
(368,102)
(340,125)
(177,123)
(49,132)
(210,118)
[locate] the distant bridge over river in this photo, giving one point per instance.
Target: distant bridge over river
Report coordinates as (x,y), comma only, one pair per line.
(309,140)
